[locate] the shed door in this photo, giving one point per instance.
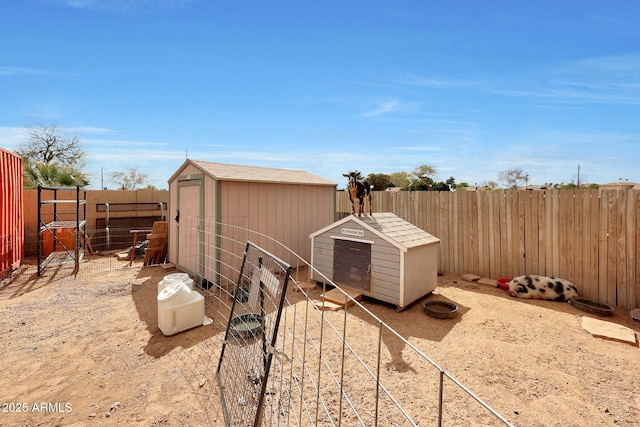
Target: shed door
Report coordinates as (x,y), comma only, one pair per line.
(352,264)
(188,225)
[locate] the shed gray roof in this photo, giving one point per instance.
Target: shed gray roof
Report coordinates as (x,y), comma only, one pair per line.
(231,172)
(394,229)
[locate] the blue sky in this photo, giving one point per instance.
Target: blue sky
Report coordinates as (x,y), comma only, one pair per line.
(470,87)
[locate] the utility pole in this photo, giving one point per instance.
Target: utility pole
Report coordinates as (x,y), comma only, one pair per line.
(578,175)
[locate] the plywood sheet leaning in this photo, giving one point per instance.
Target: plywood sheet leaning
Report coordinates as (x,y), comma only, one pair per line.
(609,331)
(327,305)
(156,252)
(488,282)
(337,296)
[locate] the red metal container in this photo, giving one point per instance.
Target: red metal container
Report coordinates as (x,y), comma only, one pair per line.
(11,212)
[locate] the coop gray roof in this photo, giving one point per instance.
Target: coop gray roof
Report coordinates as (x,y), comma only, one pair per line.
(231,172)
(399,230)
(391,227)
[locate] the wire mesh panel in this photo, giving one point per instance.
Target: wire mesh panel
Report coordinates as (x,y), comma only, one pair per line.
(248,346)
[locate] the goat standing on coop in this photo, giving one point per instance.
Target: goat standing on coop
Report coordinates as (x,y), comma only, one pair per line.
(358,189)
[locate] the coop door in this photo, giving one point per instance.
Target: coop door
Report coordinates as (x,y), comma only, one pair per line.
(352,264)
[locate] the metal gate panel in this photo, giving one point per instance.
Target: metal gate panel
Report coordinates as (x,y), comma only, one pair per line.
(250,338)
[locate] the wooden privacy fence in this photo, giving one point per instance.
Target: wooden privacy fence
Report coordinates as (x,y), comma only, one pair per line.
(590,237)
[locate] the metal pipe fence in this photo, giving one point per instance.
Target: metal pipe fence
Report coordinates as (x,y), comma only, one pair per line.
(330,368)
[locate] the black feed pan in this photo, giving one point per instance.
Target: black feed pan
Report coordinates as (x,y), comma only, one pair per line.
(592,307)
(246,326)
(440,309)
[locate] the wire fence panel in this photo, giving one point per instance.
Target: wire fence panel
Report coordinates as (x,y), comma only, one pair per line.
(327,368)
(301,364)
(248,346)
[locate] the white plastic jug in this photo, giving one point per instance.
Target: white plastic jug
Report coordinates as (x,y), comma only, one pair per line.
(173,278)
(179,308)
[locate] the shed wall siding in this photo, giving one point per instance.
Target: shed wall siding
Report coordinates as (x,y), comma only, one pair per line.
(385,273)
(287,213)
(323,256)
(420,272)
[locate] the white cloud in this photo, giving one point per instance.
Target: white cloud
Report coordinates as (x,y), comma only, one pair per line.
(418,148)
(602,80)
(126,5)
(6,70)
(388,107)
(438,83)
(12,71)
(12,137)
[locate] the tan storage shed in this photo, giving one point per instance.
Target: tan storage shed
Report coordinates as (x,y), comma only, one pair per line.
(286,205)
(383,256)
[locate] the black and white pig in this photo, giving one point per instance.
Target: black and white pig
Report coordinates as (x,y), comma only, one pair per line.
(541,287)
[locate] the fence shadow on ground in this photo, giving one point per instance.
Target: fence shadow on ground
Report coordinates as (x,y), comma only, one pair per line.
(404,323)
(347,367)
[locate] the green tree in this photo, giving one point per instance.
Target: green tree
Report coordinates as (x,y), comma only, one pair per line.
(425,184)
(400,179)
(441,186)
(451,182)
(52,175)
(379,181)
(421,178)
(422,172)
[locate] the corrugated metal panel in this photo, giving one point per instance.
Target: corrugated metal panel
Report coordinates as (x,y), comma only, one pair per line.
(11,214)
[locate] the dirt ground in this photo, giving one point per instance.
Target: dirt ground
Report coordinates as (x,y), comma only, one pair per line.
(89,352)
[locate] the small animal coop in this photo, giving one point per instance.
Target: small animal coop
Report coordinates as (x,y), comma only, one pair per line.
(383,256)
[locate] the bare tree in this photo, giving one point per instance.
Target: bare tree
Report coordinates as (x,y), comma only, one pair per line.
(513,177)
(52,158)
(489,185)
(49,143)
(129,179)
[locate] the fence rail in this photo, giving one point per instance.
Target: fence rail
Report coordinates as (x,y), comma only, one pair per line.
(329,368)
(590,237)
